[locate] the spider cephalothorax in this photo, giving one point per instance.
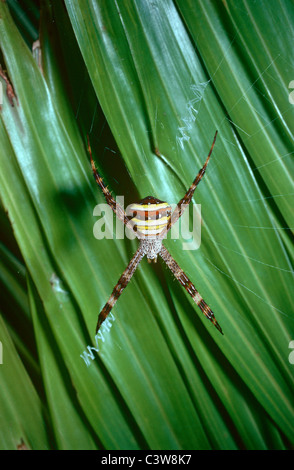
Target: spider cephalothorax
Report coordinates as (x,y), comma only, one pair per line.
(151,248)
(150,221)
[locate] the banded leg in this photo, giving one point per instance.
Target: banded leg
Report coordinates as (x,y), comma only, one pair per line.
(117,209)
(122,283)
(190,288)
(185,201)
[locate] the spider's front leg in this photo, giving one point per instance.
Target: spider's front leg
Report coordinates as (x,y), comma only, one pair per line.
(190,288)
(120,286)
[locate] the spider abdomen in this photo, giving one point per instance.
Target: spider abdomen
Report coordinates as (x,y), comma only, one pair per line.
(150,216)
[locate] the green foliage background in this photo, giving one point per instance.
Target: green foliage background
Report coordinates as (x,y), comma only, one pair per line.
(136,75)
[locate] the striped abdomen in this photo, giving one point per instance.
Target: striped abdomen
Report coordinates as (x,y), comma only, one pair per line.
(150,216)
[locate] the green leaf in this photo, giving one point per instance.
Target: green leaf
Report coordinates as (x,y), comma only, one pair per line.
(166,75)
(22,421)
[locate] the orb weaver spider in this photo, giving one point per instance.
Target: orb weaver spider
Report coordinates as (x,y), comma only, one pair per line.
(151,221)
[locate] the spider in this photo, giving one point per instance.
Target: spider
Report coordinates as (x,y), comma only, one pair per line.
(151,221)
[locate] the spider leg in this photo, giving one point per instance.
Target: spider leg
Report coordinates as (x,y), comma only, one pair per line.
(122,283)
(190,288)
(185,201)
(117,209)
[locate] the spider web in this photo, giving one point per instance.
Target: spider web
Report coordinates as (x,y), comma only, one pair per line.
(232,134)
(268,202)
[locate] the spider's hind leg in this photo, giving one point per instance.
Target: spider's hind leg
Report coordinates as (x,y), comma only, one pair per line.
(185,201)
(117,209)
